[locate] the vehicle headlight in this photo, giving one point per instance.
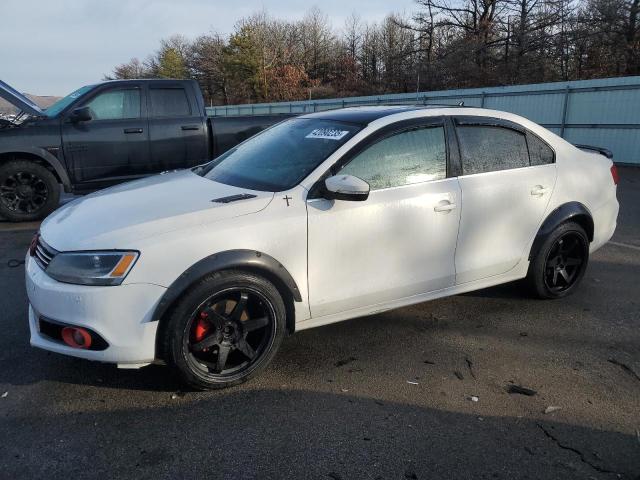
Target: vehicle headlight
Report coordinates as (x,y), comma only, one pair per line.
(92,268)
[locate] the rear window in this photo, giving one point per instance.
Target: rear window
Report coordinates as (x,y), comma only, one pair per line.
(489,149)
(539,152)
(169,102)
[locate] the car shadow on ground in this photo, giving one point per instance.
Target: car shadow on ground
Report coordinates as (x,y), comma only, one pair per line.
(301,434)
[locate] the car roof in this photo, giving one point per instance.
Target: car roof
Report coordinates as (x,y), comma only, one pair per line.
(364,115)
(154,81)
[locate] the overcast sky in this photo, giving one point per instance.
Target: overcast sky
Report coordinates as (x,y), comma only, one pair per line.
(52,47)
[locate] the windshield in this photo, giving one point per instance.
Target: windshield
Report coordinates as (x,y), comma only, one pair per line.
(63,103)
(282,156)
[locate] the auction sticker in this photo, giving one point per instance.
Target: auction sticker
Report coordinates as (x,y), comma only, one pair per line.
(328,133)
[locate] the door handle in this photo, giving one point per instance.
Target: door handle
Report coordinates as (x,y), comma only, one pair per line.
(132,130)
(190,127)
(444,206)
(539,190)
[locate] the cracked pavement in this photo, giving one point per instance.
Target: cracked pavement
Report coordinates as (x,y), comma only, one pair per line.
(388,396)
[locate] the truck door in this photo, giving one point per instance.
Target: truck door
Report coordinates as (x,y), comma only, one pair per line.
(113,145)
(178,138)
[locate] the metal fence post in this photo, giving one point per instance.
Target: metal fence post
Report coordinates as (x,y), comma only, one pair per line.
(482,100)
(565,109)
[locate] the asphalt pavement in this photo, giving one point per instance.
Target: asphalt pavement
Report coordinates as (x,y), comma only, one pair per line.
(417,393)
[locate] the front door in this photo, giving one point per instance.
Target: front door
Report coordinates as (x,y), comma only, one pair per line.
(401,240)
(505,196)
(113,145)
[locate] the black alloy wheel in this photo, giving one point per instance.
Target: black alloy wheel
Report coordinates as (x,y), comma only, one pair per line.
(565,261)
(560,263)
(224,329)
(229,331)
(23,192)
(28,191)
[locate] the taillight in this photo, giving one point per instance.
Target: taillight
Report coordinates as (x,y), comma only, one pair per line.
(614,174)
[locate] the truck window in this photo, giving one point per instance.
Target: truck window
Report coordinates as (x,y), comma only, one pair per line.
(116,104)
(169,102)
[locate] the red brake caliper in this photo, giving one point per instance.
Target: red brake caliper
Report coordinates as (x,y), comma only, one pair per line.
(202,326)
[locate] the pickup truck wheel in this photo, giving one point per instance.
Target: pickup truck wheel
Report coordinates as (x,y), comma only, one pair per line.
(560,263)
(28,191)
(225,330)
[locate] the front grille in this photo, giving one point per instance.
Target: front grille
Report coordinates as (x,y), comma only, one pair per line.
(43,253)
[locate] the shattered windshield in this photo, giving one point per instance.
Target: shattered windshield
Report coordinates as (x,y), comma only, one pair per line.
(63,103)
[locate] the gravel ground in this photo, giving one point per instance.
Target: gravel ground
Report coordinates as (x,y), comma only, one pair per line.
(387,396)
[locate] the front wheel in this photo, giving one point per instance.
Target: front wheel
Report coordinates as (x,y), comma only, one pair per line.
(561,262)
(225,330)
(28,191)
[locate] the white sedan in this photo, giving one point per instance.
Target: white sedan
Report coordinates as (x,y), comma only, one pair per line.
(319,219)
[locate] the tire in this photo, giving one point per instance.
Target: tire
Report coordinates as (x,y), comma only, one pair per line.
(554,272)
(205,330)
(28,191)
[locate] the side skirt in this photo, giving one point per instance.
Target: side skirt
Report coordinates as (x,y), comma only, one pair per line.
(517,273)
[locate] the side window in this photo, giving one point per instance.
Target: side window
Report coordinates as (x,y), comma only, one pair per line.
(408,157)
(489,149)
(169,102)
(539,152)
(116,104)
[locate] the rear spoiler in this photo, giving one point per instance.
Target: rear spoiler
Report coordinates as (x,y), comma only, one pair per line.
(600,150)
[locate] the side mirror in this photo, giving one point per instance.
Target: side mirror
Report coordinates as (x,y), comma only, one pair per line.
(346,187)
(82,114)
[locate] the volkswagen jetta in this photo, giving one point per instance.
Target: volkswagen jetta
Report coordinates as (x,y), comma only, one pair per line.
(321,218)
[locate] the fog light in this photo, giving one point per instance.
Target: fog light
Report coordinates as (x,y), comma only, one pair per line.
(76,337)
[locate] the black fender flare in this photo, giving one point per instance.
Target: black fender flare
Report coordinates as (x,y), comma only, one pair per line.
(240,259)
(567,211)
(47,157)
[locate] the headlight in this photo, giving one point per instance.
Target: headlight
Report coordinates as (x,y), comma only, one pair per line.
(92,268)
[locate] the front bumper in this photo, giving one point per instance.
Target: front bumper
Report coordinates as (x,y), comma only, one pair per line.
(120,315)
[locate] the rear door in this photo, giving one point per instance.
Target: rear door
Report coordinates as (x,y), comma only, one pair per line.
(113,145)
(508,176)
(178,136)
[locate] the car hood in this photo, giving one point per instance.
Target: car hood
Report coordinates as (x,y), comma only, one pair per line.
(120,216)
(19,100)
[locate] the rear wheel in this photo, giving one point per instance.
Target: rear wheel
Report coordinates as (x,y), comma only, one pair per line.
(225,330)
(28,191)
(561,262)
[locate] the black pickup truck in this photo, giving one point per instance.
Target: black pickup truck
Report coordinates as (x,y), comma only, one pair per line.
(105,134)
